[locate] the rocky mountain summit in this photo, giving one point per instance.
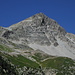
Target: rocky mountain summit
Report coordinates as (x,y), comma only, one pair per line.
(43,33)
(42,46)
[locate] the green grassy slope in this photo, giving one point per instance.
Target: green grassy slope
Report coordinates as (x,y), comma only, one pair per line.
(64,65)
(5,48)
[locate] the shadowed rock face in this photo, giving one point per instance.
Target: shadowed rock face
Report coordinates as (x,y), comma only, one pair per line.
(7,34)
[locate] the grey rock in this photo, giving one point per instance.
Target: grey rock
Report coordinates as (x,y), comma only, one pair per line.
(36,29)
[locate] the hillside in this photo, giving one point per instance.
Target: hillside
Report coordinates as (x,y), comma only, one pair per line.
(37,45)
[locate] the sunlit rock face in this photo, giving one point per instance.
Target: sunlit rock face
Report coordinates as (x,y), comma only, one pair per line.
(43,33)
(38,28)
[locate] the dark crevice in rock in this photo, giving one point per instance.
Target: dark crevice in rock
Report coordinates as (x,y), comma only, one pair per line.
(7,33)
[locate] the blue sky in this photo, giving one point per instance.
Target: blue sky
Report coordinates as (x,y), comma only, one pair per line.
(63,11)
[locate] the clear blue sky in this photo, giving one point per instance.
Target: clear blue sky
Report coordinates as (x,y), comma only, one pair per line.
(63,11)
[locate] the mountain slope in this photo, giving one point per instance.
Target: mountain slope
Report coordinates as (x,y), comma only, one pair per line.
(37,45)
(43,33)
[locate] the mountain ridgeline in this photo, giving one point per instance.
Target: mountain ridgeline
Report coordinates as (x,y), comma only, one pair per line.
(37,45)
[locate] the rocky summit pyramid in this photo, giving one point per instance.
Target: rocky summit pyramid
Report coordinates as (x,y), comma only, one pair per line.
(37,45)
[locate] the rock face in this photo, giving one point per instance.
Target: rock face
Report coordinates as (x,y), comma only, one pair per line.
(43,33)
(39,39)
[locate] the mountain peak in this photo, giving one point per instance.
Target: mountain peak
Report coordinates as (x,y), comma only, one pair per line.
(39,40)
(39,18)
(40,14)
(39,23)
